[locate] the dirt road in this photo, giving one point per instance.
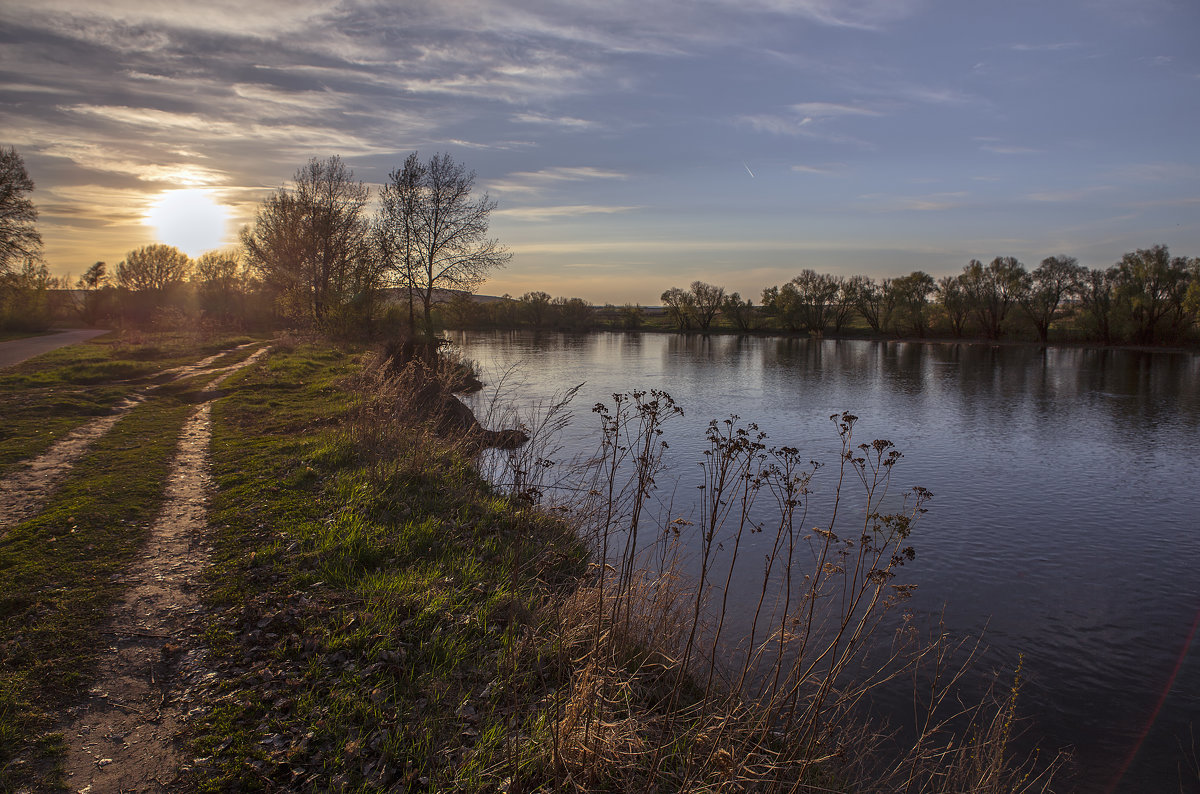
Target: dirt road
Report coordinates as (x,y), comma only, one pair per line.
(18,350)
(122,738)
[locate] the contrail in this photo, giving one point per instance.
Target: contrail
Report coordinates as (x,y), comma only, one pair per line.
(748,171)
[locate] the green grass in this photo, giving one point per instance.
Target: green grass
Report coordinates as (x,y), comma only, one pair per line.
(367,611)
(47,397)
(61,573)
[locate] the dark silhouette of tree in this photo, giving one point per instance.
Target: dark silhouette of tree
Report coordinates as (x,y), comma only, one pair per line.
(93,294)
(875,301)
(450,249)
(1097,294)
(309,242)
(19,239)
(912,299)
(535,308)
(220,285)
(739,312)
(1056,278)
(706,302)
(952,294)
(1150,287)
(680,307)
(153,268)
(843,304)
(396,230)
(993,290)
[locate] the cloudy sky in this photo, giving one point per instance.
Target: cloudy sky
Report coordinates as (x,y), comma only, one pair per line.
(633,145)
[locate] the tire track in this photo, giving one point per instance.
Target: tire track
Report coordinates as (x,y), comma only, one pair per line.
(23,492)
(122,738)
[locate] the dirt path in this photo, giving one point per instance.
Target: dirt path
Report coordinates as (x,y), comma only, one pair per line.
(24,491)
(122,737)
(15,351)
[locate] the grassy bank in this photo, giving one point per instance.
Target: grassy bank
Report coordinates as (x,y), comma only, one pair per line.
(374,595)
(384,619)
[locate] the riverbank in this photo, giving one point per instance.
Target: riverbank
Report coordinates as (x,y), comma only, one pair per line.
(375,616)
(383,618)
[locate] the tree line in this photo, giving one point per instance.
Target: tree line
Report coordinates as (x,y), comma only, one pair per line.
(1149,297)
(314,255)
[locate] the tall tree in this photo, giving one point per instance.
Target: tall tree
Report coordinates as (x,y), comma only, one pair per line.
(912,299)
(993,290)
(680,306)
(450,248)
(535,308)
(1049,284)
(706,301)
(1150,285)
(396,228)
(91,291)
(875,301)
(1097,294)
(310,242)
(19,239)
(740,312)
(153,268)
(952,293)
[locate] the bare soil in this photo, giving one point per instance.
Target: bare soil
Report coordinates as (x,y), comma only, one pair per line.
(122,738)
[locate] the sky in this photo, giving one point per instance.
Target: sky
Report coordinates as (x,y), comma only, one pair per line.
(631,145)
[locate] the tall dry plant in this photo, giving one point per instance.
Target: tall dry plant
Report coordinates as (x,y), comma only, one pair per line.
(656,699)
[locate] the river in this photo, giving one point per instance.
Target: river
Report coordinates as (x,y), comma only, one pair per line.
(1066,511)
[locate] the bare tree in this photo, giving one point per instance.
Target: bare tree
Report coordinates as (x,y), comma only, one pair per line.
(1097,295)
(680,306)
(153,268)
(953,296)
(396,228)
(309,242)
(19,240)
(436,231)
(706,302)
(876,302)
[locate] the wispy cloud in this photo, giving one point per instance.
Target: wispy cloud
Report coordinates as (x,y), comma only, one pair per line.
(566,122)
(998,148)
(1055,46)
(823,169)
(559,212)
(819,110)
(530,182)
(806,126)
(1068,196)
(881,202)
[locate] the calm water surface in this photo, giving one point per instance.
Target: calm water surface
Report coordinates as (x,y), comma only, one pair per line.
(1066,515)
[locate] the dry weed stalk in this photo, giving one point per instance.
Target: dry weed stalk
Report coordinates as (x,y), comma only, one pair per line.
(654,700)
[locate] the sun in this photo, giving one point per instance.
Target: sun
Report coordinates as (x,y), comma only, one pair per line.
(189,219)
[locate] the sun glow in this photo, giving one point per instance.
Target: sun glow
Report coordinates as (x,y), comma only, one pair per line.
(190,219)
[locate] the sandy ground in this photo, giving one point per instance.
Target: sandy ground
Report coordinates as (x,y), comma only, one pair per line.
(122,737)
(17,350)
